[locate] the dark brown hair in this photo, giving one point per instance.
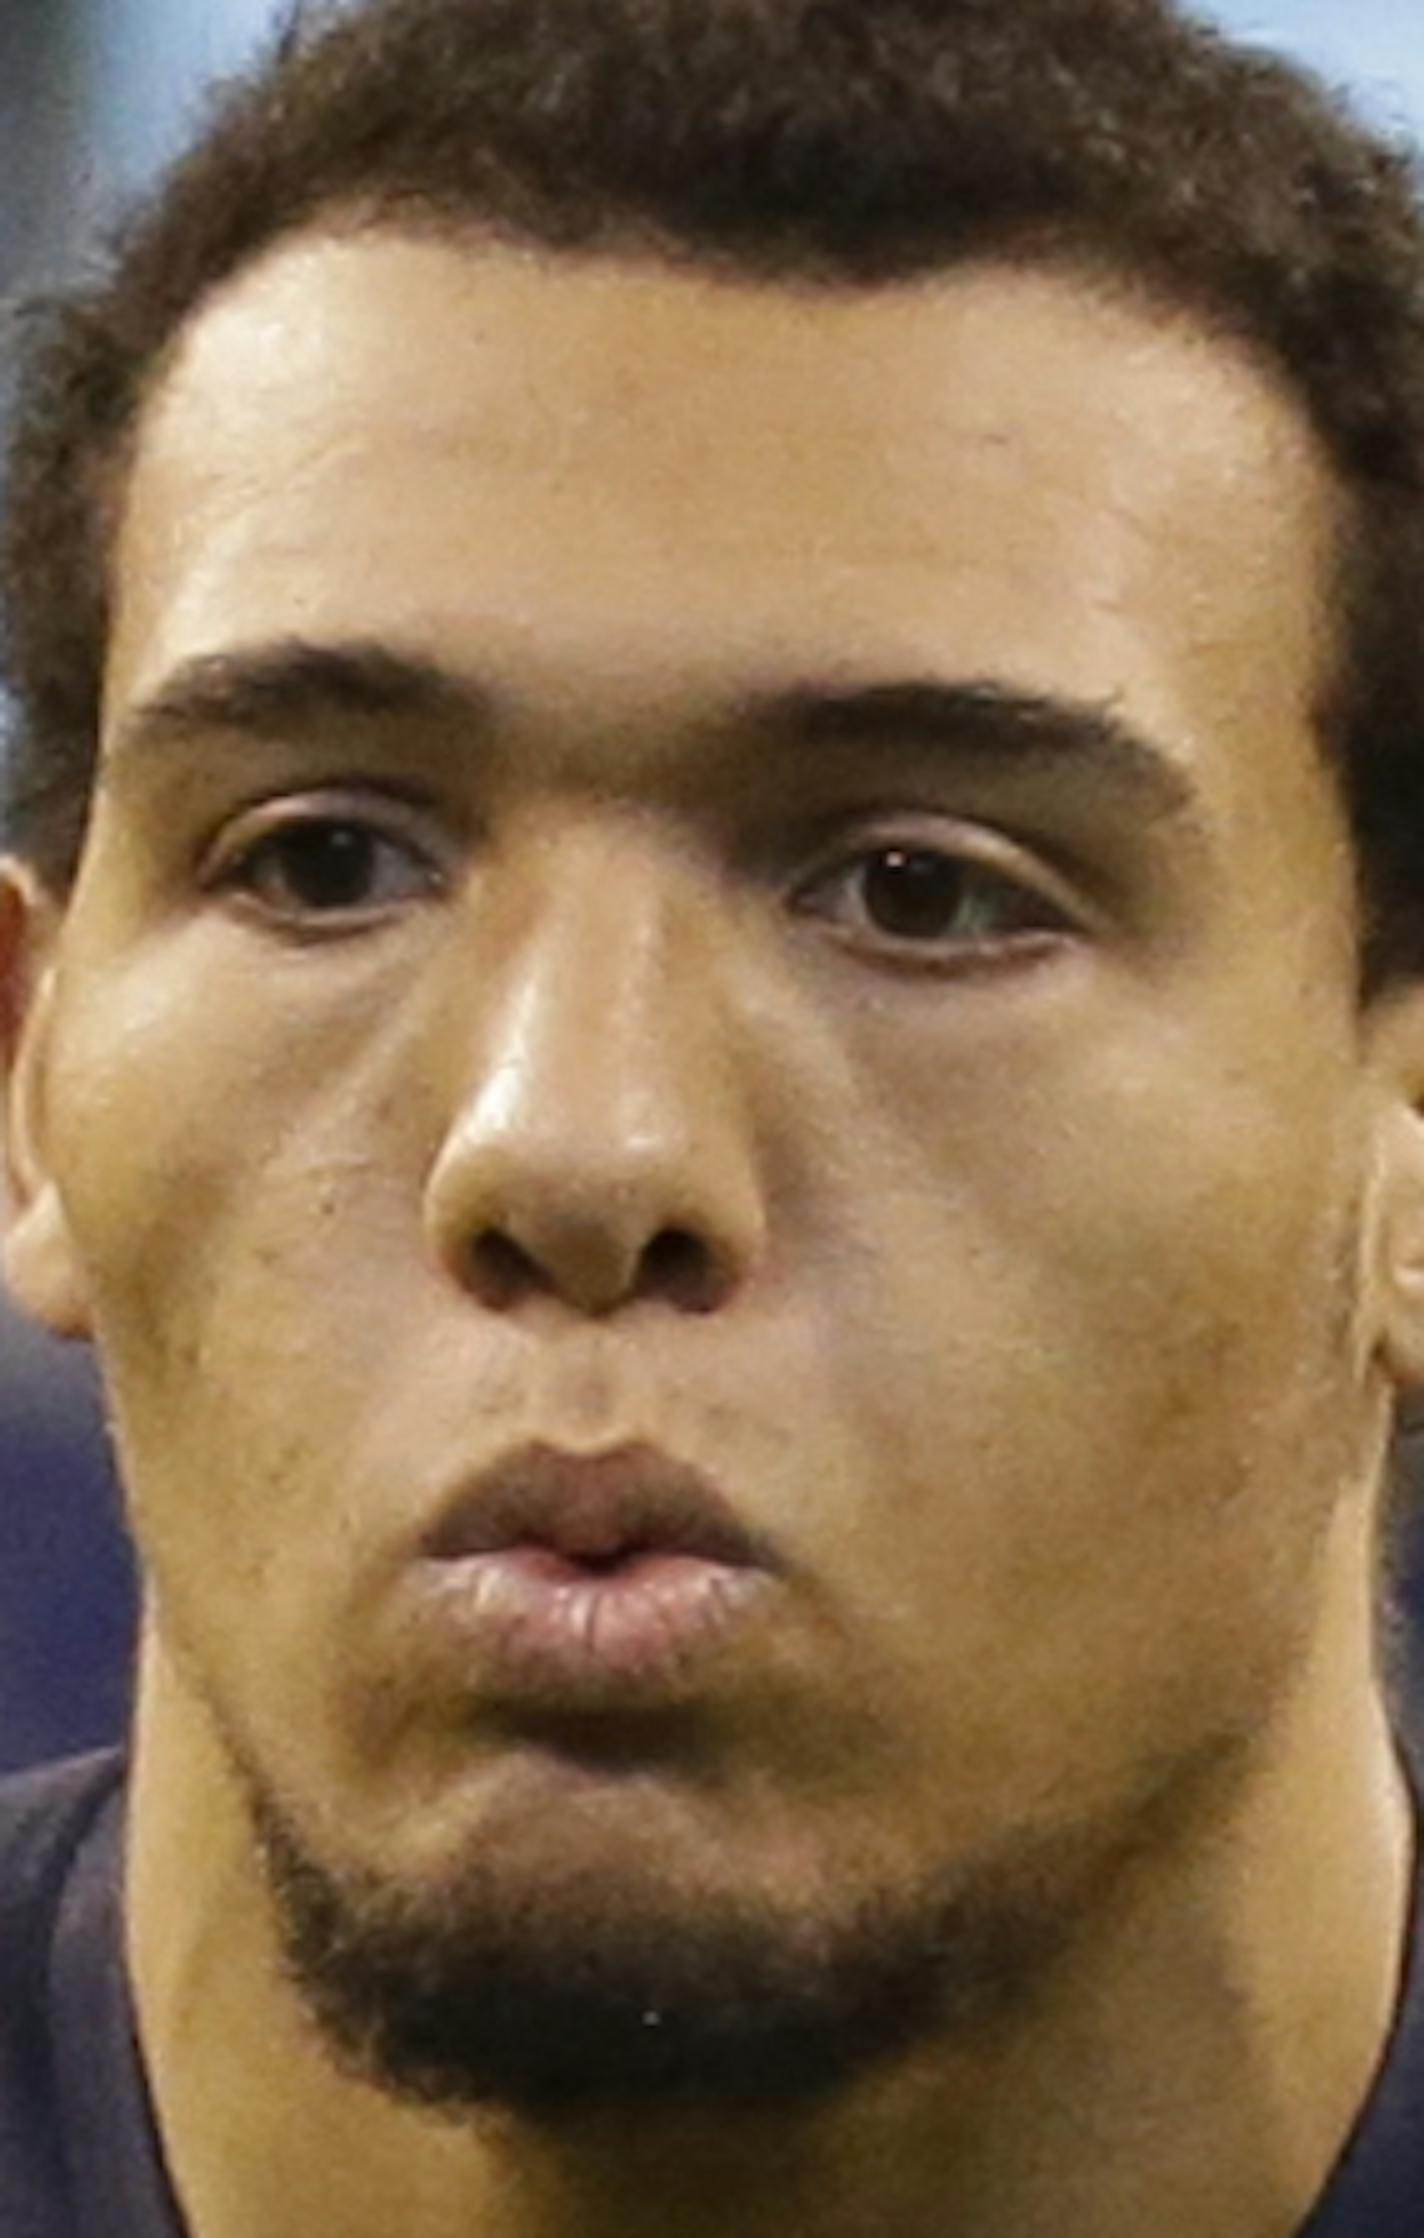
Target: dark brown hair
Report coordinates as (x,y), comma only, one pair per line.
(832,143)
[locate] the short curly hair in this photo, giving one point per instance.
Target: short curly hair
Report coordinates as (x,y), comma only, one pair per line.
(836,143)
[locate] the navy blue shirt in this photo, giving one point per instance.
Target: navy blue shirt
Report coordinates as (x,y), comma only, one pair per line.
(79,2155)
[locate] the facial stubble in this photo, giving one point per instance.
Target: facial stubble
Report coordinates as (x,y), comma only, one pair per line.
(583,1995)
(587,1989)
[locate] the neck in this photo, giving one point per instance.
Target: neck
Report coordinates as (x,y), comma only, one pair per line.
(1194,2066)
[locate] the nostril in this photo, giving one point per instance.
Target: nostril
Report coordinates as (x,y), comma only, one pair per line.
(679,1266)
(503,1271)
(675,1265)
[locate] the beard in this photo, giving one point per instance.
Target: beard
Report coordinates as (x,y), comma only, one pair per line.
(603,1987)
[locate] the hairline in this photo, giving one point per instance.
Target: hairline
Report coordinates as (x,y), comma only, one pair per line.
(1135,282)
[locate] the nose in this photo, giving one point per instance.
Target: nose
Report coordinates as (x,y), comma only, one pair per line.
(602,1152)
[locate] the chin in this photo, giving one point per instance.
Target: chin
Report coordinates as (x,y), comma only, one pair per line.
(569,1968)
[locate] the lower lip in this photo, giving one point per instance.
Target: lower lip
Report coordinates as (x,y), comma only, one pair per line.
(550,1627)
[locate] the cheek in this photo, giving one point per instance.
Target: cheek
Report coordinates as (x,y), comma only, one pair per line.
(243,1189)
(209,1115)
(1095,1195)
(1097,1364)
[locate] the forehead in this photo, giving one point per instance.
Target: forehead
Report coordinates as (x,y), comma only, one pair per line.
(620,478)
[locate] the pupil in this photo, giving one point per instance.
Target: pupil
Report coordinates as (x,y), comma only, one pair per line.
(328,866)
(911,895)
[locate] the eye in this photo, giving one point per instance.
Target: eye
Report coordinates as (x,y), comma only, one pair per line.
(918,898)
(314,866)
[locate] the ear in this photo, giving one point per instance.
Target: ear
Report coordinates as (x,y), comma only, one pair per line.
(1396,1033)
(39,1260)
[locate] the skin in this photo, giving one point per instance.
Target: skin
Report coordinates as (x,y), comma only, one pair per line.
(1060,1274)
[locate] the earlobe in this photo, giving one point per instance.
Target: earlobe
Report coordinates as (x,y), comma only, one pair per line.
(41,1267)
(1402,1257)
(1398,1208)
(41,1270)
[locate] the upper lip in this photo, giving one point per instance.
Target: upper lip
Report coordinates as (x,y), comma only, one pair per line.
(595,1508)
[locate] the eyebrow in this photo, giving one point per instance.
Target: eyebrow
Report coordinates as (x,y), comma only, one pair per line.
(294,687)
(991,724)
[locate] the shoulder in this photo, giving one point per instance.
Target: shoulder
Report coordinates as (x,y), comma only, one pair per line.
(45,1817)
(42,1808)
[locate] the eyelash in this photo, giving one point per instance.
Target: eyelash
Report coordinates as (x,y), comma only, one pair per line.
(947,876)
(933,871)
(238,868)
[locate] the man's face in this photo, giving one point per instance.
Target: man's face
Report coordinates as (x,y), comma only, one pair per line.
(844,980)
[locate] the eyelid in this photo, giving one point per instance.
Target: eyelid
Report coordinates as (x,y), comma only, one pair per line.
(977,847)
(402,816)
(237,872)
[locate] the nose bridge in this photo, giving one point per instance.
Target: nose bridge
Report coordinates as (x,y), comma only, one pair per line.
(611,998)
(602,1146)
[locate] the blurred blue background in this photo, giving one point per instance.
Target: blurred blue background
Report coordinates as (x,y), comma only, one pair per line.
(94,95)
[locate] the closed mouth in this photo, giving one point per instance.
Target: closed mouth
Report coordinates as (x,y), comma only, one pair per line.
(576,1581)
(596,1512)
